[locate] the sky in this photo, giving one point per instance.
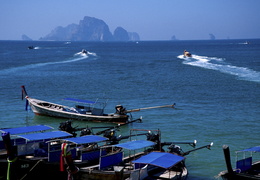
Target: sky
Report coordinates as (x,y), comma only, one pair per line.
(151,19)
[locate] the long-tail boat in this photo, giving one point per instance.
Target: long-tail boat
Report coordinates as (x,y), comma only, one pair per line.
(141,159)
(89,112)
(29,152)
(246,168)
(24,151)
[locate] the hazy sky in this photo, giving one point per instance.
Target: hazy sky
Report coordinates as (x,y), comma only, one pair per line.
(151,19)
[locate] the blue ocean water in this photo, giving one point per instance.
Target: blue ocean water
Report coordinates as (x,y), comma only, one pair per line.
(216,91)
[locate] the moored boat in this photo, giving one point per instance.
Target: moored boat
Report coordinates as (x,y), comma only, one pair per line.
(79,112)
(87,112)
(24,152)
(245,169)
(150,163)
(32,151)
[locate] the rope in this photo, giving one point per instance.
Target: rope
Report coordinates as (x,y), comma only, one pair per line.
(9,167)
(32,168)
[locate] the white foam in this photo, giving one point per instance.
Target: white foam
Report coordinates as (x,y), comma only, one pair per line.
(31,66)
(218,64)
(85,54)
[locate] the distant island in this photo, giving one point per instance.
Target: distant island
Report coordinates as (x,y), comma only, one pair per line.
(90,29)
(26,38)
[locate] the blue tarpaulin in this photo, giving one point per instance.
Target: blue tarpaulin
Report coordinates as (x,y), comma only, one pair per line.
(86,139)
(21,130)
(252,149)
(80,100)
(160,159)
(133,145)
(45,135)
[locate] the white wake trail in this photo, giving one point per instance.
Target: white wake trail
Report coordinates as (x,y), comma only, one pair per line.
(33,66)
(218,64)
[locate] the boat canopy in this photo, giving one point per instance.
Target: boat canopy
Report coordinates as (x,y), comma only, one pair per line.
(133,145)
(252,149)
(45,135)
(79,100)
(86,139)
(160,159)
(28,129)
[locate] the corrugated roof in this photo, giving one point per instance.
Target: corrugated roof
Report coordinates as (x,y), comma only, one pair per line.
(45,135)
(160,159)
(27,129)
(86,139)
(133,145)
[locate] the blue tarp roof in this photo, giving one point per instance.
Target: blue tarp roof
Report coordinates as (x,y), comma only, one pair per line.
(160,159)
(45,135)
(133,145)
(21,130)
(80,100)
(252,149)
(86,139)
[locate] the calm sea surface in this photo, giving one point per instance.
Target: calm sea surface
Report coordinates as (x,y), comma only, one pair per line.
(217,92)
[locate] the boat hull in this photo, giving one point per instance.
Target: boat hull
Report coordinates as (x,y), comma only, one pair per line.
(252,174)
(32,169)
(91,174)
(39,109)
(101,175)
(238,176)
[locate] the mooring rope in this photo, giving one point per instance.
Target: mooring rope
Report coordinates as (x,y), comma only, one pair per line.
(41,160)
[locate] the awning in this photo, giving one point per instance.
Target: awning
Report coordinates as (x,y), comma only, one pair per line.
(21,130)
(252,149)
(79,100)
(133,145)
(45,135)
(86,139)
(160,159)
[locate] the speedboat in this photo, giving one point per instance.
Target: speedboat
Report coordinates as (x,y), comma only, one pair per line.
(186,54)
(31,47)
(84,51)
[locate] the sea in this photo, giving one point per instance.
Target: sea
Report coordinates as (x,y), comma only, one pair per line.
(216,91)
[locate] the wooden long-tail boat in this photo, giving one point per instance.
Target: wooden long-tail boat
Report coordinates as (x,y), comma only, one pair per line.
(151,162)
(34,150)
(246,168)
(81,112)
(24,152)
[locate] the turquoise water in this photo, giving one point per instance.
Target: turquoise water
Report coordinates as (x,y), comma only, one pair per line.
(216,91)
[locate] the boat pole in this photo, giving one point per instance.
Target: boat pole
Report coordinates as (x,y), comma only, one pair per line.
(227,158)
(206,146)
(24,93)
(134,110)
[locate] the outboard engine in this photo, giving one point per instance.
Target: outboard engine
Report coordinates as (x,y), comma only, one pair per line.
(175,149)
(85,132)
(66,126)
(154,138)
(109,134)
(120,110)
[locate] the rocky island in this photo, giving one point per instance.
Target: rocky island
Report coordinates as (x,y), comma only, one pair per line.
(90,29)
